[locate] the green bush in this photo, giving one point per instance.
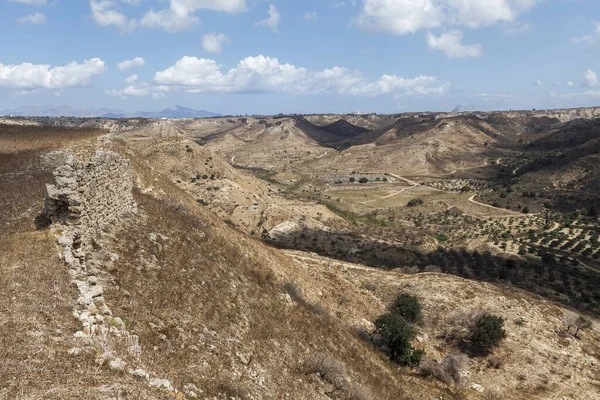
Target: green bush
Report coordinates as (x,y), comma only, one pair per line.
(408,307)
(487,332)
(396,335)
(414,202)
(363,180)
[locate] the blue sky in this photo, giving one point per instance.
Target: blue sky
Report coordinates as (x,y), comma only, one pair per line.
(255,56)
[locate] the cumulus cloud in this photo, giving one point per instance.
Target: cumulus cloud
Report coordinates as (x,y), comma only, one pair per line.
(213,42)
(133,63)
(42,76)
(591,39)
(450,44)
(272,22)
(105,13)
(266,74)
(35,19)
(401,17)
(180,14)
(131,79)
(590,79)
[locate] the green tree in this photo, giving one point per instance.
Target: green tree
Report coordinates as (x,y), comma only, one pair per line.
(396,335)
(408,307)
(487,332)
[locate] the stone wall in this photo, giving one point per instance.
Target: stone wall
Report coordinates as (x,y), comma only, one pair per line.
(90,197)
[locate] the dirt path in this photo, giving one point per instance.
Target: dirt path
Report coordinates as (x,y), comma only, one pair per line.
(415,183)
(388,196)
(512,213)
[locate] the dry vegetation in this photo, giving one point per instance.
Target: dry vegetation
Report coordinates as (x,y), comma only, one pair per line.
(220,311)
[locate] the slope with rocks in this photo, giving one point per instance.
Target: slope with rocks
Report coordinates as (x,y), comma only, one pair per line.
(218,314)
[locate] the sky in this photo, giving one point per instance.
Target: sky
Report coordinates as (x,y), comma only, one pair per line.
(300,56)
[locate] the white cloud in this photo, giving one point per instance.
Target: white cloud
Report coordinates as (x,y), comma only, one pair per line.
(133,63)
(266,74)
(272,22)
(170,20)
(131,79)
(538,83)
(450,43)
(401,17)
(589,93)
(35,19)
(31,2)
(310,16)
(180,14)
(104,13)
(213,42)
(517,28)
(590,79)
(41,76)
(592,39)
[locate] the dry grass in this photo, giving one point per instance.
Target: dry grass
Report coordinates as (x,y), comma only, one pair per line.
(36,298)
(16,138)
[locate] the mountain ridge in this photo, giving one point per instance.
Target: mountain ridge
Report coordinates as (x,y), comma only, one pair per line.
(175,111)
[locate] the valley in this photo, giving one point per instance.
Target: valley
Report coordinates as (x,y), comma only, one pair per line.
(235,250)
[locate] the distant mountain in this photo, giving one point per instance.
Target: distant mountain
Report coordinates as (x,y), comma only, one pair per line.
(66,111)
(178,112)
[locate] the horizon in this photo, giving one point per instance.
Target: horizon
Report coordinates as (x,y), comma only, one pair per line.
(131,114)
(238,57)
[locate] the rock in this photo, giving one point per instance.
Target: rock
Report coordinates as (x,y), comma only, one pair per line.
(191,391)
(140,373)
(75,351)
(477,387)
(117,364)
(162,384)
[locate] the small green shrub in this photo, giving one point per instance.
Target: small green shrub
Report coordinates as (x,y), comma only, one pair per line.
(408,307)
(487,332)
(395,335)
(363,180)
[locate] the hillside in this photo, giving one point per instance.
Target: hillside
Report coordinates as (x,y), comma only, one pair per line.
(155,251)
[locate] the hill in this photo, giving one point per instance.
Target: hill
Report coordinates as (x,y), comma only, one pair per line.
(234,258)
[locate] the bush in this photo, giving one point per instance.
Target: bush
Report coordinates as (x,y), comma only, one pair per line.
(449,370)
(408,307)
(395,335)
(363,180)
(352,179)
(414,202)
(487,332)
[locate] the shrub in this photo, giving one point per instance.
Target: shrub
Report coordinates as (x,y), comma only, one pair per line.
(487,332)
(395,335)
(331,369)
(408,307)
(575,323)
(449,370)
(363,180)
(414,202)
(352,179)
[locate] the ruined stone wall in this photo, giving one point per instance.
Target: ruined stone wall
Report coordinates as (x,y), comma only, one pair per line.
(90,196)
